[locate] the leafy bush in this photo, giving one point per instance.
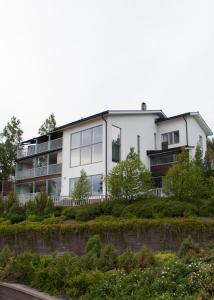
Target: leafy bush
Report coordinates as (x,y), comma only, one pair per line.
(41,200)
(189,248)
(164,257)
(146,257)
(128,261)
(94,245)
(108,258)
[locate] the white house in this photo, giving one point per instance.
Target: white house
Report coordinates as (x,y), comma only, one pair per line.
(98,142)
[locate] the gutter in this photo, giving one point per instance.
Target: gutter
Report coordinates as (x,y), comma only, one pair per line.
(106,156)
(187,139)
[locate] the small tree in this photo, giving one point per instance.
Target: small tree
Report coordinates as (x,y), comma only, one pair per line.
(108,258)
(129,179)
(11,137)
(48,126)
(207,169)
(82,188)
(199,157)
(184,180)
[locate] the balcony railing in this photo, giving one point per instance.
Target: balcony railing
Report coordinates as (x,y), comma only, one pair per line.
(40,148)
(40,171)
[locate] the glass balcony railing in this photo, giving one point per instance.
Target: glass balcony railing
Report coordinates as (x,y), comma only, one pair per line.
(39,171)
(39,148)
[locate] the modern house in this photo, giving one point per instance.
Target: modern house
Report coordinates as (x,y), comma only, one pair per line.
(97,143)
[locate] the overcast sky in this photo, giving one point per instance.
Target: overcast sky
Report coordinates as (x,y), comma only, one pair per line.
(79,57)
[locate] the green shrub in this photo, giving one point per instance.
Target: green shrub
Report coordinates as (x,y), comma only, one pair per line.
(49,207)
(146,257)
(69,213)
(88,212)
(41,200)
(21,268)
(5,255)
(117,209)
(108,258)
(30,207)
(188,248)
(94,245)
(15,218)
(164,257)
(80,283)
(58,211)
(128,261)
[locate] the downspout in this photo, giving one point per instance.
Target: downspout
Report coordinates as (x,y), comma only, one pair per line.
(106,156)
(187,139)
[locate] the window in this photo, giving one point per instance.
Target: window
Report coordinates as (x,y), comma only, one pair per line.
(163,159)
(86,146)
(116,143)
(171,137)
(95,182)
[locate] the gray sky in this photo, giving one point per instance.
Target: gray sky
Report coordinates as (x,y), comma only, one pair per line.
(79,57)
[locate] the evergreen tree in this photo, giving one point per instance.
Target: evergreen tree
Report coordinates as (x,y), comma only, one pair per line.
(129,178)
(207,169)
(199,157)
(82,188)
(48,126)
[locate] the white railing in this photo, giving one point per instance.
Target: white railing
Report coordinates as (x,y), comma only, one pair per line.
(40,171)
(69,202)
(39,148)
(65,201)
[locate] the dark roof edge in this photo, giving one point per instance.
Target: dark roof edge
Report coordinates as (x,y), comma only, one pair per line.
(175,117)
(60,128)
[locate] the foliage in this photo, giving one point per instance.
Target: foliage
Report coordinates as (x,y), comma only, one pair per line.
(128,261)
(145,257)
(65,275)
(210,145)
(41,200)
(94,245)
(164,257)
(129,178)
(11,138)
(188,248)
(109,258)
(48,126)
(184,180)
(81,188)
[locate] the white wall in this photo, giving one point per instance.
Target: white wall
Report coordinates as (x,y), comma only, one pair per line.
(131,126)
(194,131)
(173,125)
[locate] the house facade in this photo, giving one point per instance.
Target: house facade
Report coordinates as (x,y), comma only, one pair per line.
(97,143)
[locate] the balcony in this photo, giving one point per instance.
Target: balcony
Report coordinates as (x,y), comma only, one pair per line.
(40,171)
(40,148)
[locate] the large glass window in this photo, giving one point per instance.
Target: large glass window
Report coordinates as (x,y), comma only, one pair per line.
(171,137)
(86,146)
(116,143)
(54,186)
(95,182)
(163,159)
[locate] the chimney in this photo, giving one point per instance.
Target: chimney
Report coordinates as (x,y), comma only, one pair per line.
(143,106)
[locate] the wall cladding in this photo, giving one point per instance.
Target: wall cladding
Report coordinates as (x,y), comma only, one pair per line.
(159,235)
